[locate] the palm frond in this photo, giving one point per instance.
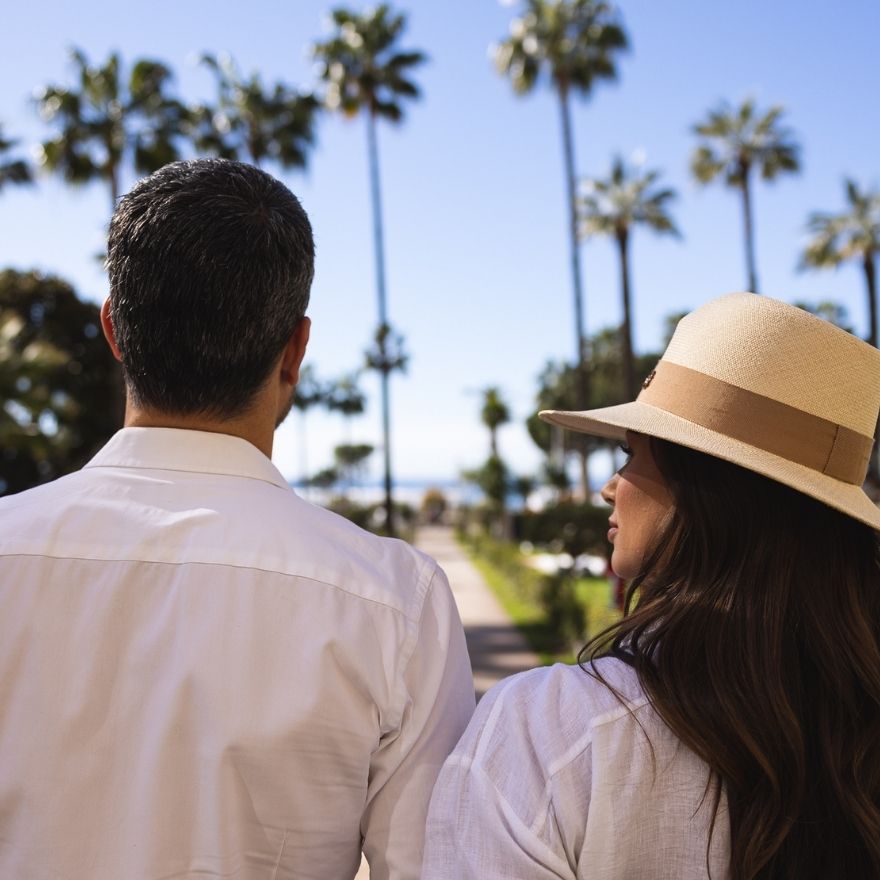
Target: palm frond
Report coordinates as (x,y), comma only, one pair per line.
(571,43)
(361,67)
(733,140)
(852,234)
(626,198)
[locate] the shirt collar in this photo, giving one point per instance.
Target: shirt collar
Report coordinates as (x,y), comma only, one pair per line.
(176,449)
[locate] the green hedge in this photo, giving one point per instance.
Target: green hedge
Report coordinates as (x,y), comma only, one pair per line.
(546,607)
(569,527)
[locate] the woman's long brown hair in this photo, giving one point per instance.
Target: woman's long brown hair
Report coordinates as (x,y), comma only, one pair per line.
(755,632)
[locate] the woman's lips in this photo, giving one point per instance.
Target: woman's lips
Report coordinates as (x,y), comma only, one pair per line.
(612,530)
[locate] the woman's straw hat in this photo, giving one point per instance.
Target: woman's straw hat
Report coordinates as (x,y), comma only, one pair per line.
(764,385)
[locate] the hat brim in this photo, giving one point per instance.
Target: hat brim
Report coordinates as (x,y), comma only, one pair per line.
(614,421)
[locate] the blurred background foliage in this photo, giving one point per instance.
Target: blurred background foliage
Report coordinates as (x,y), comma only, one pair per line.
(61,387)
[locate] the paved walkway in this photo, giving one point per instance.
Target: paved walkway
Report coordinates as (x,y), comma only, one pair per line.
(496,647)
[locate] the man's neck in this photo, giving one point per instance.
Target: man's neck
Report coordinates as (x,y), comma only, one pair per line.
(253,427)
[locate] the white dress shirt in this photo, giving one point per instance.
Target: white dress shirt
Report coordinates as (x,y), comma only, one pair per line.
(558,778)
(203,676)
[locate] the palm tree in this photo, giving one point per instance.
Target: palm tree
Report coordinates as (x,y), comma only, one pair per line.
(854,234)
(523,486)
(12,170)
(494,414)
(309,392)
(735,142)
(572,44)
(365,72)
(104,122)
(614,206)
(252,122)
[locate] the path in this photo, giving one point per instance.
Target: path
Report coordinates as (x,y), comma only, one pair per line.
(496,647)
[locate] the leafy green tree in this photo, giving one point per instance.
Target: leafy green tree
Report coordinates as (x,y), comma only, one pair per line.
(253,122)
(12,169)
(60,387)
(853,234)
(557,389)
(309,390)
(494,413)
(106,122)
(492,479)
(557,478)
(734,143)
(365,72)
(670,322)
(345,396)
(523,486)
(325,479)
(573,45)
(309,393)
(614,206)
(351,460)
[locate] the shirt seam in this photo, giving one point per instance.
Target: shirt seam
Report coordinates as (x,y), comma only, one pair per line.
(469,765)
(424,585)
(558,766)
(189,470)
(494,712)
(252,568)
(619,712)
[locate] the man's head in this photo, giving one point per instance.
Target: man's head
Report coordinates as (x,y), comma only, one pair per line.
(210,266)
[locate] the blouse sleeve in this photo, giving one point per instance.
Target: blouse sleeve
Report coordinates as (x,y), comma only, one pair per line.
(492,815)
(473,833)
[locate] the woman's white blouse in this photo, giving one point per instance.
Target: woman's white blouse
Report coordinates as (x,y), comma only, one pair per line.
(558,778)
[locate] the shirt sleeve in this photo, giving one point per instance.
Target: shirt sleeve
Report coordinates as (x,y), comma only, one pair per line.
(473,833)
(492,815)
(439,702)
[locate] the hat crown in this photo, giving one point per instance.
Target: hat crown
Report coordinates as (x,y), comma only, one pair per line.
(784,353)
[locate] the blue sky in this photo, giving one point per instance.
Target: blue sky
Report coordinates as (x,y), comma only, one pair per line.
(473,187)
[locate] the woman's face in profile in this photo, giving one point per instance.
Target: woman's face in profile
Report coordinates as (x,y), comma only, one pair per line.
(642,504)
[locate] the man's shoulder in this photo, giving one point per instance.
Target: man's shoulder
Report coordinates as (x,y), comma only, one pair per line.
(339,552)
(213,520)
(551,713)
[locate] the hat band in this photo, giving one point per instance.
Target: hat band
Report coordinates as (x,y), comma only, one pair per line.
(760,421)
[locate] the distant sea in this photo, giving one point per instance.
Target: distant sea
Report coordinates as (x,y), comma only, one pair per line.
(408,491)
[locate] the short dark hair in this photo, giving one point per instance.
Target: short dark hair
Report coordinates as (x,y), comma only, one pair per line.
(210,266)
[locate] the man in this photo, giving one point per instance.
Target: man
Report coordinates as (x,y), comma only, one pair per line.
(201,675)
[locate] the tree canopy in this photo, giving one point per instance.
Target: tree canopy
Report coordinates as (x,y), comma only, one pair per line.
(253,122)
(106,120)
(852,234)
(572,43)
(362,67)
(13,170)
(60,385)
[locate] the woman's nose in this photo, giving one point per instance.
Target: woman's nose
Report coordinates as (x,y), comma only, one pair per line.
(609,490)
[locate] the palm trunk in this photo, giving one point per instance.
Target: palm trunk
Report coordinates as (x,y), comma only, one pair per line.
(871,286)
(749,232)
(629,367)
(580,339)
(384,370)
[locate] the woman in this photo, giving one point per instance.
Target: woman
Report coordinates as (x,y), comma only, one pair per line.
(729,725)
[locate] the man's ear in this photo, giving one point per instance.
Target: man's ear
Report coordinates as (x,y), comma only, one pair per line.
(295,351)
(109,332)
